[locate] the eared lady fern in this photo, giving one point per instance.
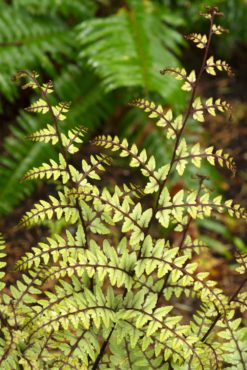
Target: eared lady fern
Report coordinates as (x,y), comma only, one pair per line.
(117,283)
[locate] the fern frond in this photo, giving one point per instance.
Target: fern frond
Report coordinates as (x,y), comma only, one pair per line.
(65,9)
(46,88)
(154,256)
(133,220)
(122,353)
(23,294)
(158,321)
(45,135)
(21,156)
(200,208)
(101,262)
(97,164)
(43,210)
(154,351)
(218,30)
(50,170)
(77,349)
(235,353)
(241,259)
(107,289)
(199,39)
(148,166)
(199,108)
(129,191)
(193,246)
(73,138)
(31,40)
(101,216)
(202,319)
(181,74)
(196,156)
(41,106)
(139,58)
(221,65)
(240,302)
(55,249)
(63,292)
(165,118)
(88,309)
(60,111)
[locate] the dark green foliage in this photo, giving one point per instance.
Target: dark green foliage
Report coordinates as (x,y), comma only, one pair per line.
(90,60)
(29,40)
(125,53)
(23,153)
(117,287)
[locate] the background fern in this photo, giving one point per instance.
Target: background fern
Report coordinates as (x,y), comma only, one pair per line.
(22,156)
(28,39)
(124,53)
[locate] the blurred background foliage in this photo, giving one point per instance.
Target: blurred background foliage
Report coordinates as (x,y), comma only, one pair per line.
(102,54)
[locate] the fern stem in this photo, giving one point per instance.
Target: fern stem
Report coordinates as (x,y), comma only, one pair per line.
(45,344)
(186,228)
(63,150)
(188,112)
(128,354)
(102,349)
(8,349)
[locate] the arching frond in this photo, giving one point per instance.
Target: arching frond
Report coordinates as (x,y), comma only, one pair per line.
(55,249)
(196,155)
(138,159)
(174,208)
(50,170)
(61,207)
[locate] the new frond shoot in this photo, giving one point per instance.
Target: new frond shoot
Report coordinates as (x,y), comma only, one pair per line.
(118,278)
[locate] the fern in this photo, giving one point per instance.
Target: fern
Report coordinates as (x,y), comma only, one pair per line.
(27,41)
(76,8)
(95,101)
(117,282)
(23,155)
(122,45)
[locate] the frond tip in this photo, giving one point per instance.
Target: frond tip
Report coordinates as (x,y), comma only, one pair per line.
(220,65)
(46,210)
(45,135)
(181,74)
(199,108)
(198,39)
(165,118)
(52,170)
(196,155)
